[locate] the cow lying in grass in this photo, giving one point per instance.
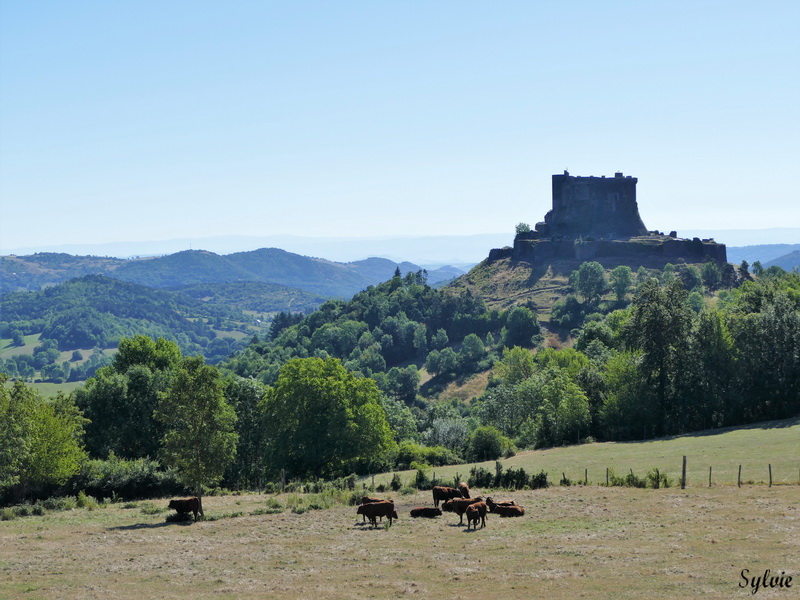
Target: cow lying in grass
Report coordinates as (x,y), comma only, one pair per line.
(426,511)
(459,506)
(505,509)
(373,510)
(476,512)
(186,506)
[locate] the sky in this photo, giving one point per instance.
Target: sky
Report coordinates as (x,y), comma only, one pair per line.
(155,120)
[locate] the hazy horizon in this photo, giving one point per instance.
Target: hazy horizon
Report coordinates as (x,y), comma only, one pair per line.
(423,250)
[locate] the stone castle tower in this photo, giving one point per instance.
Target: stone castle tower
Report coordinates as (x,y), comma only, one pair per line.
(593,206)
(595,218)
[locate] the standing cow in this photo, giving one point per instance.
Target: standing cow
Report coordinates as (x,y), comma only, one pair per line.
(443,493)
(476,512)
(373,510)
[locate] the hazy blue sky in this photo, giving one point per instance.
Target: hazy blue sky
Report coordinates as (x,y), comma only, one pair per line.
(153,120)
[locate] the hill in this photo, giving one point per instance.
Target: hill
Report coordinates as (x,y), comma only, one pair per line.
(255,296)
(762,252)
(95,312)
(787,261)
(271,265)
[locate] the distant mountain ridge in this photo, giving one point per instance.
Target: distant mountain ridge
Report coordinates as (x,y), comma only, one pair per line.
(787,261)
(765,253)
(192,267)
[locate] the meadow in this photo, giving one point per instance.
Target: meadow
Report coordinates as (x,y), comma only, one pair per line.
(574,541)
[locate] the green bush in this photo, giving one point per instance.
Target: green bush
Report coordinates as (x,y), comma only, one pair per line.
(511,479)
(629,480)
(122,479)
(148,508)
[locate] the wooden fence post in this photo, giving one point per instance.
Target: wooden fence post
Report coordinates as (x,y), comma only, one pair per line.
(683,474)
(770,475)
(586,477)
(606,476)
(740,475)
(658,480)
(709,476)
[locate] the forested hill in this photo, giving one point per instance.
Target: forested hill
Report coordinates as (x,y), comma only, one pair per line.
(190,267)
(95,311)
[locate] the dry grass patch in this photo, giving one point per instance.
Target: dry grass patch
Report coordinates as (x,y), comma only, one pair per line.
(596,542)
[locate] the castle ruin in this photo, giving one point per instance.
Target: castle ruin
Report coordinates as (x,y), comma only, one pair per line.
(595,218)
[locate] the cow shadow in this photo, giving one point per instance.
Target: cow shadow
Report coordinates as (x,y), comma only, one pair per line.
(150,525)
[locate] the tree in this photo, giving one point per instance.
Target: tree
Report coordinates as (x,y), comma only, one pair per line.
(472,352)
(200,439)
(158,355)
(621,281)
(515,366)
(440,339)
(40,440)
(487,443)
(522,228)
(758,268)
(248,467)
(744,267)
(711,275)
(659,326)
(321,420)
(589,281)
(520,328)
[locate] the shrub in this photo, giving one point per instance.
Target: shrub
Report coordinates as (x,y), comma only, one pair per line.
(422,481)
(123,479)
(629,480)
(396,484)
(85,501)
(513,479)
(487,443)
(656,479)
(148,508)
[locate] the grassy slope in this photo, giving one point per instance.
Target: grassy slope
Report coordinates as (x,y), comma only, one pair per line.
(754,447)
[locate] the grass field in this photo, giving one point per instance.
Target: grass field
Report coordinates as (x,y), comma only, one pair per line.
(754,447)
(573,542)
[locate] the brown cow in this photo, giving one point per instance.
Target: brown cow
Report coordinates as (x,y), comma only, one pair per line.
(186,506)
(370,500)
(459,506)
(476,512)
(426,511)
(505,509)
(464,489)
(441,492)
(373,510)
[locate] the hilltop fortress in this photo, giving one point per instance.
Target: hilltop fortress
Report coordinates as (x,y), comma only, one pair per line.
(596,218)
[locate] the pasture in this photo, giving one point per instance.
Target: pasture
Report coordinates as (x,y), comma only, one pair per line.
(573,542)
(754,447)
